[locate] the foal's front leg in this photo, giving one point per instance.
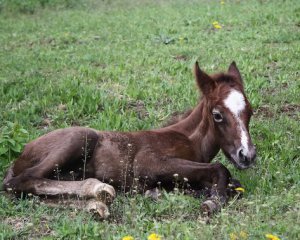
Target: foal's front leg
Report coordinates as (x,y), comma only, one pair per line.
(214,176)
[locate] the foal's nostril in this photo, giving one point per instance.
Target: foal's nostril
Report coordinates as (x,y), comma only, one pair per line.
(244,158)
(241,154)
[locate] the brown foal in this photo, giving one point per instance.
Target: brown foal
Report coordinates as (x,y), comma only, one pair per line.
(90,164)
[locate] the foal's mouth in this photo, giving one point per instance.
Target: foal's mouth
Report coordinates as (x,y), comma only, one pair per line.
(241,164)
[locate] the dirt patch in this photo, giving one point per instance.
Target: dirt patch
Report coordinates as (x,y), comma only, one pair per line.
(24,224)
(180,57)
(292,110)
(18,223)
(264,111)
(99,65)
(270,90)
(138,107)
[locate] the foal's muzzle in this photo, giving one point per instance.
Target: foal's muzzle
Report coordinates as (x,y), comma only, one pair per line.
(245,159)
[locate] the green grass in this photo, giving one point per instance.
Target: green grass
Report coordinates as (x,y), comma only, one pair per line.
(126,65)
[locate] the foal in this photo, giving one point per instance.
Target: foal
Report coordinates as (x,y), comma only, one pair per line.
(92,163)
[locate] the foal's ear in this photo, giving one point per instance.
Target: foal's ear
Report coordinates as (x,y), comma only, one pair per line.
(205,82)
(233,70)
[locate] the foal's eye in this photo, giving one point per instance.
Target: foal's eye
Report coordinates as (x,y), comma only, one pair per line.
(217,116)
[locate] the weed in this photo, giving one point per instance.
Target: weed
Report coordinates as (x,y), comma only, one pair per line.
(12,140)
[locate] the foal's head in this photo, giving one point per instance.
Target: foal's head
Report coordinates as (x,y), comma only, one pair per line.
(229,113)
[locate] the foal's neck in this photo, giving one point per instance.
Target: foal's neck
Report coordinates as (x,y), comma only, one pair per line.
(199,128)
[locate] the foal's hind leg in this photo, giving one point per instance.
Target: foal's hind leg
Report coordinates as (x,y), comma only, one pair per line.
(98,208)
(62,148)
(95,193)
(85,189)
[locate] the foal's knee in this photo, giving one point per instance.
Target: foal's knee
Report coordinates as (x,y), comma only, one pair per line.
(10,184)
(218,193)
(17,185)
(93,188)
(222,172)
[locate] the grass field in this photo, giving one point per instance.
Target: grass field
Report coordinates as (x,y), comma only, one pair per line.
(126,65)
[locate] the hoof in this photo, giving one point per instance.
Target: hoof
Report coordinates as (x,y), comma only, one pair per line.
(98,209)
(209,207)
(235,183)
(232,186)
(154,194)
(104,193)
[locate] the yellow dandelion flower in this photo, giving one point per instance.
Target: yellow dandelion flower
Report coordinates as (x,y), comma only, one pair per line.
(222,2)
(243,235)
(217,25)
(272,237)
(154,236)
(181,39)
(128,238)
(233,236)
(240,189)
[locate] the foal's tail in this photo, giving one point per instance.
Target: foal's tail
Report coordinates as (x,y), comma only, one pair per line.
(9,175)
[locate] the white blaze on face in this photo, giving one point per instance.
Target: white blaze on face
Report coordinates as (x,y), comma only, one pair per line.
(235,102)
